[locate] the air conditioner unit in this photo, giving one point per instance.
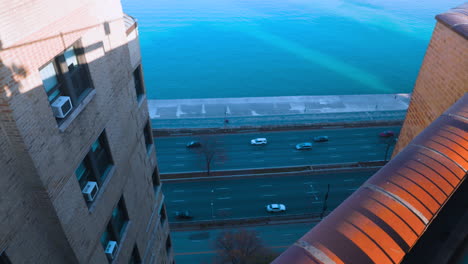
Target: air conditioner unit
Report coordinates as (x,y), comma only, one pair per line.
(111,249)
(90,190)
(62,106)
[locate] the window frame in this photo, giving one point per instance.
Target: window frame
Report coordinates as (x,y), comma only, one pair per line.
(135,258)
(90,162)
(66,76)
(4,258)
(156,179)
(111,229)
(148,136)
(138,83)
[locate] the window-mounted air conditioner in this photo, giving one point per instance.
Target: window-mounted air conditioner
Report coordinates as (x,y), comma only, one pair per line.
(111,249)
(62,106)
(90,191)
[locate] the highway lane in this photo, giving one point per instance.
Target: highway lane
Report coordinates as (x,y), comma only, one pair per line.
(233,151)
(195,247)
(247,197)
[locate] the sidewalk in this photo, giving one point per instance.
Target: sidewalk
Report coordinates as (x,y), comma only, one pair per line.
(276,111)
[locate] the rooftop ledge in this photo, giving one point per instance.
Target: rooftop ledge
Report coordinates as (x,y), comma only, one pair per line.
(456,19)
(130,23)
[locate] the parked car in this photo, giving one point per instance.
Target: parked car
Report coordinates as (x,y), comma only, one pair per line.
(193,144)
(275,208)
(320,139)
(183,214)
(304,146)
(258,141)
(387,133)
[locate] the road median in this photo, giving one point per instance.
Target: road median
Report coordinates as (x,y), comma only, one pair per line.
(279,171)
(243,222)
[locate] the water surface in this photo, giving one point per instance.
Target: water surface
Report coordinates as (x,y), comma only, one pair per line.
(248,48)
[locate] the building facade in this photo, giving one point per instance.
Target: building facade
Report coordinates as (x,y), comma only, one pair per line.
(78,165)
(443,77)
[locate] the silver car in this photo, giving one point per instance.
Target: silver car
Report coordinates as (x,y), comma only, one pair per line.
(275,208)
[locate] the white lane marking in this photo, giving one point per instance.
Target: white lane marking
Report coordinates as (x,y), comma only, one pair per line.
(331,148)
(298,158)
(335,156)
(348,180)
(288,234)
(179,191)
(312,192)
(178,201)
(225,209)
(269,195)
(222,188)
(365,147)
(179,157)
(352,190)
(319,202)
(178,165)
(258,160)
(223,198)
(266,185)
(358,134)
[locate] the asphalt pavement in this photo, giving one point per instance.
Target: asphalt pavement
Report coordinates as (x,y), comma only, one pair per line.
(247,198)
(197,247)
(233,151)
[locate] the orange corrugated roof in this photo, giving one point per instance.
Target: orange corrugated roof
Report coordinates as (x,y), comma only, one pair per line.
(383,220)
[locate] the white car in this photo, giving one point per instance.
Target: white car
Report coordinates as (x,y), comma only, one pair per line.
(258,141)
(275,208)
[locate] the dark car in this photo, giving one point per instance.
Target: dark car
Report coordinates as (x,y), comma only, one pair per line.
(320,139)
(387,133)
(193,144)
(183,214)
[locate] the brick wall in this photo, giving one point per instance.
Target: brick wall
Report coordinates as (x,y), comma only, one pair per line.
(50,156)
(442,80)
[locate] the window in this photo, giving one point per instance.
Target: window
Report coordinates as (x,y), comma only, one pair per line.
(156,181)
(135,257)
(4,259)
(148,136)
(168,244)
(138,79)
(67,75)
(96,164)
(162,215)
(116,226)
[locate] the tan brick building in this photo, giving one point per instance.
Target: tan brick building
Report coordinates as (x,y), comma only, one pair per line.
(443,77)
(77,166)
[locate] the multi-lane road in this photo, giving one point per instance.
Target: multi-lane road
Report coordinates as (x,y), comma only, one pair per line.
(233,151)
(247,197)
(191,247)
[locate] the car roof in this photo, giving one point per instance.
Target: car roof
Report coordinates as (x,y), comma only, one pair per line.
(260,139)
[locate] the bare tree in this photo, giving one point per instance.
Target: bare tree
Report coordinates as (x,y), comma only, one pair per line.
(208,150)
(242,247)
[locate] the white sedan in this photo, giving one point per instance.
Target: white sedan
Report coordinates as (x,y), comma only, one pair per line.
(275,208)
(258,141)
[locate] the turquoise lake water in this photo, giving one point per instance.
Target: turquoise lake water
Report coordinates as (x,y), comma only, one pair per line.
(249,48)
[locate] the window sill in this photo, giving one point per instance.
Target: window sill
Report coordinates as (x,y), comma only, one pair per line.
(78,109)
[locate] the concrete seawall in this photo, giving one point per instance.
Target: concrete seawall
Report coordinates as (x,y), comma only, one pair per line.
(286,110)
